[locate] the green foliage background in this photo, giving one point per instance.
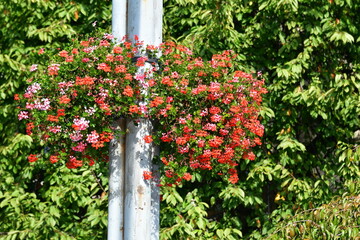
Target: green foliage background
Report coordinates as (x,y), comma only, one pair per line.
(308,52)
(43,201)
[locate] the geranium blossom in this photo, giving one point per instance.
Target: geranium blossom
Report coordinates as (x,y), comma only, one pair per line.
(55,129)
(33,68)
(53,69)
(43,104)
(205,112)
(93,137)
(32,158)
(80,147)
(80,124)
(23,115)
(76,136)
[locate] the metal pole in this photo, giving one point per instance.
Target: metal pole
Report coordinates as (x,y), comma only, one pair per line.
(116,183)
(117,145)
(119,13)
(142,196)
(155,193)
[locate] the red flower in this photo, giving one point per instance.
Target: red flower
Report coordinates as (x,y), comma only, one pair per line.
(151,82)
(249,155)
(128,91)
(73,163)
(63,53)
(84,43)
(54,158)
(169,173)
(156,102)
(128,76)
(98,144)
(64,99)
(216,141)
(201,133)
(117,49)
(106,136)
(234,178)
(214,110)
(53,118)
(148,139)
(69,59)
(105,67)
(120,69)
(181,141)
(167,81)
(216,74)
(32,158)
(235,108)
(29,127)
(147,175)
(41,51)
(60,112)
(187,176)
(134,109)
(75,51)
(164,161)
(166,138)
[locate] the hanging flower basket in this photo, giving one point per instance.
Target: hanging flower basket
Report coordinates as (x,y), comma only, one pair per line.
(206,112)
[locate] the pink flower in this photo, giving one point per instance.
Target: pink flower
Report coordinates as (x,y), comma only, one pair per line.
(43,104)
(174,75)
(33,67)
(183,150)
(80,124)
(105,67)
(23,115)
(80,147)
(210,127)
(55,129)
(93,137)
(216,118)
(30,105)
(53,69)
(182,120)
(204,112)
(76,136)
(201,143)
(90,111)
(33,88)
(108,36)
(169,99)
(104,43)
(214,87)
(89,49)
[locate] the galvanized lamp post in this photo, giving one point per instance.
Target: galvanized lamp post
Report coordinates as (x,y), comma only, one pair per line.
(134,202)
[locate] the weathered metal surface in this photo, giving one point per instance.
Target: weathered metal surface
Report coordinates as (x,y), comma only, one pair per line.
(116,183)
(141,199)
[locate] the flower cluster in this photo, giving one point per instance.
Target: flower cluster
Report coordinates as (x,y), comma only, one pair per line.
(208,114)
(207,111)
